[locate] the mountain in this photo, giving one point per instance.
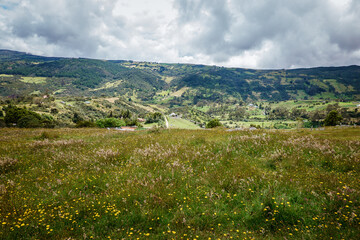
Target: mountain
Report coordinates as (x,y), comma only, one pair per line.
(94,88)
(89,77)
(23,73)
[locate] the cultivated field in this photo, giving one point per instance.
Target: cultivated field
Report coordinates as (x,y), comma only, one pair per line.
(179,184)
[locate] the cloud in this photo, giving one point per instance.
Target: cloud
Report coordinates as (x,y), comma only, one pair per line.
(70,27)
(272,34)
(240,33)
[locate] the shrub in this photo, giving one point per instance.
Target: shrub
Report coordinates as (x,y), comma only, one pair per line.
(13,114)
(47,121)
(154,117)
(155,129)
(255,126)
(213,123)
(2,123)
(132,122)
(77,117)
(29,121)
(333,118)
(83,124)
(48,135)
(310,124)
(110,122)
(23,118)
(281,126)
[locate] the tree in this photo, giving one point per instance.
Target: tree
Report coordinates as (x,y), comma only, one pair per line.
(238,114)
(298,113)
(317,116)
(84,124)
(76,118)
(54,111)
(333,118)
(110,122)
(332,107)
(279,113)
(13,114)
(154,117)
(29,121)
(213,123)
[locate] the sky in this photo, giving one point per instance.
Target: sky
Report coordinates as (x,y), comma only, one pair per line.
(260,34)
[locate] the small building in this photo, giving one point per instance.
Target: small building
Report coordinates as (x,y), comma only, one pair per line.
(141,120)
(126,128)
(173,115)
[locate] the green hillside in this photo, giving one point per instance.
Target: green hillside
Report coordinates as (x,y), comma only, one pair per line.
(68,77)
(90,77)
(197,92)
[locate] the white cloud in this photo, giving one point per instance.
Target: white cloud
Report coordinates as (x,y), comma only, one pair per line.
(240,33)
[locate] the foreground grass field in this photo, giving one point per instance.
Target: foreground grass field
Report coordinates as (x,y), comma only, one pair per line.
(179,184)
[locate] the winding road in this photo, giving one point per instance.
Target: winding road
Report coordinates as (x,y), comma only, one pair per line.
(166,122)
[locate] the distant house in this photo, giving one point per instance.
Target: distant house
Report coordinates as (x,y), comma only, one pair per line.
(141,120)
(252,106)
(173,115)
(358,106)
(126,128)
(87,102)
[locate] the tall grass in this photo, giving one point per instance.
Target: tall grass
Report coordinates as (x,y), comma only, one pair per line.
(179,184)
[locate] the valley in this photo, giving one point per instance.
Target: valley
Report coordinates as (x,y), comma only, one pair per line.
(237,97)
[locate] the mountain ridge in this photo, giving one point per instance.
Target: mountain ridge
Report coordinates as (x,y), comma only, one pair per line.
(92,89)
(145,80)
(20,53)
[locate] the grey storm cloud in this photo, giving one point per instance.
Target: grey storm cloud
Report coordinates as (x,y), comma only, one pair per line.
(68,25)
(241,33)
(298,33)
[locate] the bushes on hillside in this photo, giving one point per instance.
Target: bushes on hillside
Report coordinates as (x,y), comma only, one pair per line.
(84,124)
(29,121)
(2,123)
(23,118)
(110,122)
(333,118)
(213,123)
(13,114)
(279,113)
(154,117)
(132,122)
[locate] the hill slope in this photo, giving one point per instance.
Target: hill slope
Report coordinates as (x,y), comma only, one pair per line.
(88,77)
(70,76)
(196,92)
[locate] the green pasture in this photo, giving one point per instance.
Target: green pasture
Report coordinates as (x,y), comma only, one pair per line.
(36,80)
(179,184)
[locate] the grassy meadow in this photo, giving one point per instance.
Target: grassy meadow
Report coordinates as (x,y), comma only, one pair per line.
(181,123)
(179,184)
